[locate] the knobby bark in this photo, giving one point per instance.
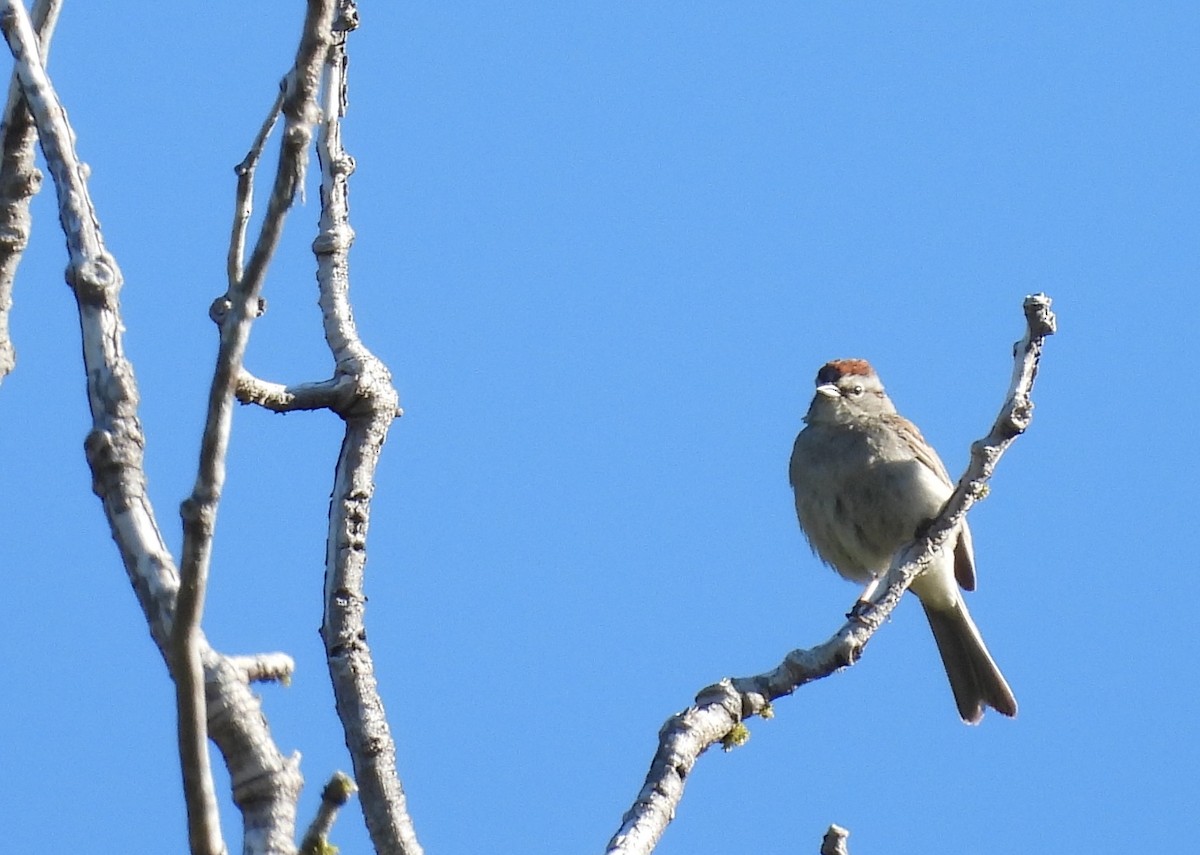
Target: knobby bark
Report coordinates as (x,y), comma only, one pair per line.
(362,394)
(20,179)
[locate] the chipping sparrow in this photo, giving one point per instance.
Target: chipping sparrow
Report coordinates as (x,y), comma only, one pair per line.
(866,483)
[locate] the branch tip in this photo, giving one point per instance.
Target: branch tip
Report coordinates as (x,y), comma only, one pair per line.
(834,842)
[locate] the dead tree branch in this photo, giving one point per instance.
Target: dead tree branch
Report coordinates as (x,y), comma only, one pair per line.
(199,511)
(368,417)
(362,394)
(214,694)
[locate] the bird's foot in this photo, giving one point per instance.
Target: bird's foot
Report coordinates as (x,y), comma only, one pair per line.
(859,609)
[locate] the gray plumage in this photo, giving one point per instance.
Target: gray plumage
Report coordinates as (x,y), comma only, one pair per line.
(865,483)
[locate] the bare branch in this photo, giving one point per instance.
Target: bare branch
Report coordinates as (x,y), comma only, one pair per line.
(721,708)
(335,795)
(96,280)
(834,842)
(335,394)
(19,179)
(242,303)
(264,668)
(204,817)
(368,418)
(266,785)
(299,106)
(199,511)
(244,202)
(300,111)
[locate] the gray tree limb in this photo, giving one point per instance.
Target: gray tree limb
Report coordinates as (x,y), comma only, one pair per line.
(368,417)
(217,699)
(199,511)
(20,179)
(362,394)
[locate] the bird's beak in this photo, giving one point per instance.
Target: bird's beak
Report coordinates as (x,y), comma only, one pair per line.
(828,390)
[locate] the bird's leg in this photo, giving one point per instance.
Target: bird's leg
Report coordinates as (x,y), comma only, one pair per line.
(864,599)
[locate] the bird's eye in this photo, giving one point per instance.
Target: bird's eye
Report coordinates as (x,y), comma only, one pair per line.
(856,390)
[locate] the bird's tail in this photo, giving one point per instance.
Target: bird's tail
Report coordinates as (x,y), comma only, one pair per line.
(974,677)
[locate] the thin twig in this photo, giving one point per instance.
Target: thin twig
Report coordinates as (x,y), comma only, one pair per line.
(333,798)
(244,199)
(20,180)
(300,112)
(264,667)
(243,306)
(242,303)
(336,394)
(721,708)
(199,511)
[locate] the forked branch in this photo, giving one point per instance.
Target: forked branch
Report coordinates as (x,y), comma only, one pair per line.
(214,699)
(361,393)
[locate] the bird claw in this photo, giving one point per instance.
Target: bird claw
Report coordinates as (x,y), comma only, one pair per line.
(859,609)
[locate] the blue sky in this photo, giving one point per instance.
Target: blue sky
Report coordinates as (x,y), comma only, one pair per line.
(604,249)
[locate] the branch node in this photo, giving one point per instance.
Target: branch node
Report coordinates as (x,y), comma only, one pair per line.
(219,310)
(95,280)
(722,694)
(199,512)
(115,462)
(337,239)
(22,183)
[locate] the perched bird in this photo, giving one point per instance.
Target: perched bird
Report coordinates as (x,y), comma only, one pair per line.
(866,483)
